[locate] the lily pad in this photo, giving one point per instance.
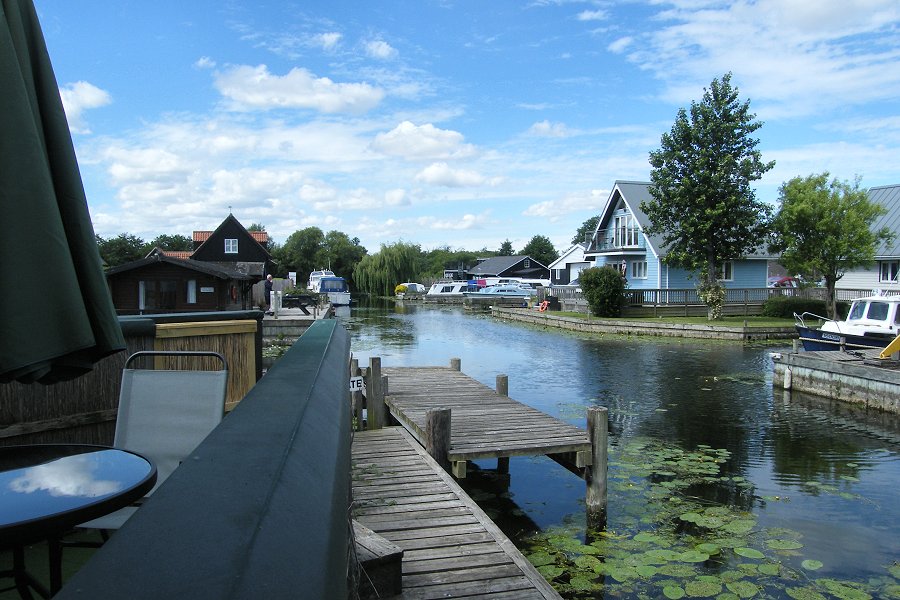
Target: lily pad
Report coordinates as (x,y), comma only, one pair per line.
(540,559)
(744,589)
(804,593)
(702,589)
(550,571)
(811,565)
(673,592)
(693,556)
(587,562)
(749,553)
(740,526)
(646,571)
(707,548)
(784,544)
(581,583)
(770,569)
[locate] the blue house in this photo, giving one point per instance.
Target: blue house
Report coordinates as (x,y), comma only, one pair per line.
(620,241)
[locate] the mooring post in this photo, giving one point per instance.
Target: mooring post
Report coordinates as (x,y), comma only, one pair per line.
(503,385)
(595,474)
(437,436)
(385,412)
(374,395)
(455,364)
(356,397)
(795,346)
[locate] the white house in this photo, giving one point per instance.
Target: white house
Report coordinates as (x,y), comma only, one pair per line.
(570,263)
(884,273)
(620,241)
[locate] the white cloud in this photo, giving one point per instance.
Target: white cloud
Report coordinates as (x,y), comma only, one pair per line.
(327,41)
(593,15)
(547,129)
(380,49)
(256,88)
(462,223)
(78,97)
(396,197)
(441,173)
(414,142)
(205,62)
(553,210)
(620,45)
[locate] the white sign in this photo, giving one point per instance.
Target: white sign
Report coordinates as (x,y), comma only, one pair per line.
(356,384)
(207,290)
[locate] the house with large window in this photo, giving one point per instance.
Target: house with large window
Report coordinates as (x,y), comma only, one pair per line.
(884,273)
(217,275)
(565,269)
(620,241)
(511,267)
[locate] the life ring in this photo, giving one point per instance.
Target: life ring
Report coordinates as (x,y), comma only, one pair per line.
(543,306)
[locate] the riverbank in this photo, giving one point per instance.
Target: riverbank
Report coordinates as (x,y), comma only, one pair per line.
(661,327)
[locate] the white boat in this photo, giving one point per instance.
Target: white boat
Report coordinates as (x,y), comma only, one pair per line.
(448,289)
(336,289)
(502,291)
(316,277)
(873,322)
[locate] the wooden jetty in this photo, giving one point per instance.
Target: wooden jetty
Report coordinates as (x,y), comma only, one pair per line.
(450,547)
(484,423)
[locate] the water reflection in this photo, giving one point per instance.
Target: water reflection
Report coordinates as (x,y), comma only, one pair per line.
(67,476)
(826,470)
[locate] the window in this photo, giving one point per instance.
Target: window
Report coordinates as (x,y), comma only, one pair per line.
(231,246)
(639,269)
(727,271)
(157,294)
(527,264)
(887,270)
(192,291)
(625,231)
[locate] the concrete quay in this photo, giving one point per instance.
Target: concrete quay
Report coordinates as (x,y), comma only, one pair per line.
(626,327)
(858,377)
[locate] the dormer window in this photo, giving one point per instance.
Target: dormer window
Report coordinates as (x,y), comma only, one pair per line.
(231,246)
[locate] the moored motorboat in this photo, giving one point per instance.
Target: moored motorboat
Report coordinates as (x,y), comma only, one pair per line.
(315,279)
(447,289)
(502,291)
(337,290)
(873,322)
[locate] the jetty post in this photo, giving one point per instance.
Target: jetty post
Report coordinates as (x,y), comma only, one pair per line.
(455,364)
(437,436)
(375,394)
(595,474)
(503,390)
(356,397)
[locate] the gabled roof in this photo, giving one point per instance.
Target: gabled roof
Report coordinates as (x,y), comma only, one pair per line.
(633,193)
(497,265)
(887,196)
(193,265)
(572,254)
(182,254)
(205,236)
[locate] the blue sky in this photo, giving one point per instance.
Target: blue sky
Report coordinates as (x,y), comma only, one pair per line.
(460,123)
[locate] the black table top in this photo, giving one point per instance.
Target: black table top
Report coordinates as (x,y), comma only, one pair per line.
(45,489)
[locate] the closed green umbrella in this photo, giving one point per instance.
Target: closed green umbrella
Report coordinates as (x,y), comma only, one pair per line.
(56,314)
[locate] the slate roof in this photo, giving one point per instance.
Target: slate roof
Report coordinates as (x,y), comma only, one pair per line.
(887,196)
(499,264)
(194,265)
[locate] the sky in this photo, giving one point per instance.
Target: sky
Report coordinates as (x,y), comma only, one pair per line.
(443,122)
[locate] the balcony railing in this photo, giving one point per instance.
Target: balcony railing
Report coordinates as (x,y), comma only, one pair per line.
(624,239)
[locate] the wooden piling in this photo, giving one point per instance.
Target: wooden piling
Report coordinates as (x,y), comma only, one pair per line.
(374,395)
(356,398)
(595,474)
(455,364)
(503,385)
(437,436)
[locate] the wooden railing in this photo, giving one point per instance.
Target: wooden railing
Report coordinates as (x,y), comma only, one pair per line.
(260,509)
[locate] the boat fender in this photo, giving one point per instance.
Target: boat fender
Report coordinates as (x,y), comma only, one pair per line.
(788,377)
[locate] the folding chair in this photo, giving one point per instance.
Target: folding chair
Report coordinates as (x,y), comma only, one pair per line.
(164,415)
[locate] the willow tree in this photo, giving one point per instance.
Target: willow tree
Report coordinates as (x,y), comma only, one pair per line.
(379,273)
(703,205)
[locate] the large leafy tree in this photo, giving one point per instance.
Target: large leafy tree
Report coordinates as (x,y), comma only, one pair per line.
(341,253)
(702,203)
(823,228)
(506,248)
(587,229)
(541,249)
(123,248)
(300,252)
(175,242)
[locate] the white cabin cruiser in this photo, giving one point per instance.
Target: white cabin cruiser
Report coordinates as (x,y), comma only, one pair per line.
(873,322)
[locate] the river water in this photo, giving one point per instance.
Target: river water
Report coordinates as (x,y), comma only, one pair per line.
(809,486)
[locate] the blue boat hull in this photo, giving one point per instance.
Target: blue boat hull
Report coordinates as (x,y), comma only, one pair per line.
(818,340)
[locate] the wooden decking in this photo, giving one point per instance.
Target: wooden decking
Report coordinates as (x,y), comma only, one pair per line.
(451,548)
(484,424)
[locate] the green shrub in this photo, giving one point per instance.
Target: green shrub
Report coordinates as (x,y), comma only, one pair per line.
(604,289)
(786,306)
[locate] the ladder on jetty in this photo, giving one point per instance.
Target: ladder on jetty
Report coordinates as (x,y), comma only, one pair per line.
(450,547)
(484,423)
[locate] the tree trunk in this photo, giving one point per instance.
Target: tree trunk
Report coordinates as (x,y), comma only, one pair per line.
(830,304)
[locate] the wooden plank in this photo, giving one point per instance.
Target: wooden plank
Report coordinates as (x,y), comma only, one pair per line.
(452,548)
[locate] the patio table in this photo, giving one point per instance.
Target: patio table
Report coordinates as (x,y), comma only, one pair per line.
(47,489)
